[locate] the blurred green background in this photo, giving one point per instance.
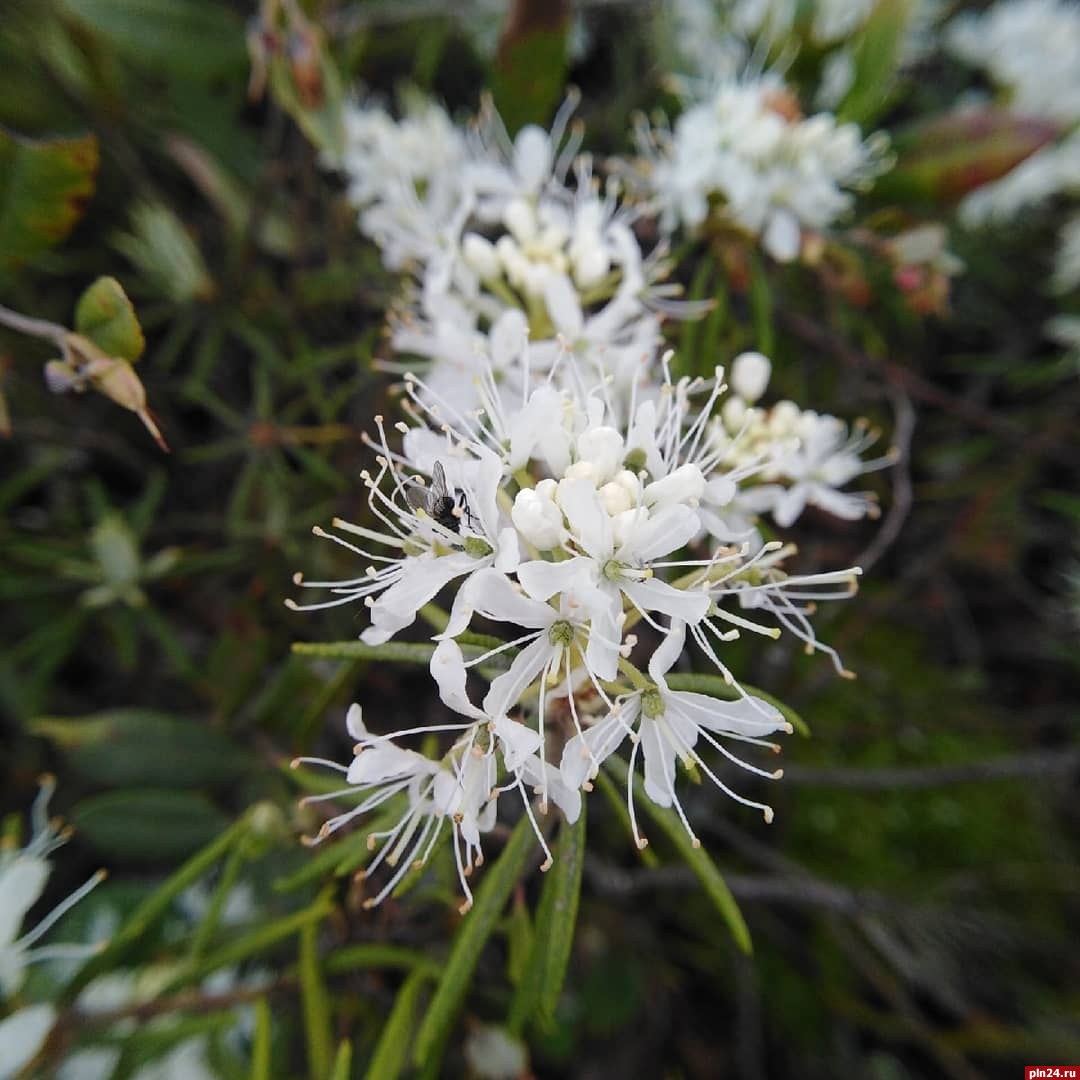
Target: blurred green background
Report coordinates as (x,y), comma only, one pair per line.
(914,907)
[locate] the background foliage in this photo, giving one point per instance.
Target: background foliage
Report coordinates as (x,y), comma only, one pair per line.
(913,907)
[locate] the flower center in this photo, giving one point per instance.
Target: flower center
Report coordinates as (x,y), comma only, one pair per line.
(477,547)
(652,704)
(561,633)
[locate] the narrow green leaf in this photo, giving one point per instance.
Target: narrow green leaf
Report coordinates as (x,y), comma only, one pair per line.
(877,55)
(207,927)
(556,918)
(697,858)
(44,186)
(343,1061)
(490,899)
(714,686)
(392,1050)
(315,1001)
(106,316)
(530,69)
(402,652)
(260,1051)
(519,940)
(761,307)
(362,957)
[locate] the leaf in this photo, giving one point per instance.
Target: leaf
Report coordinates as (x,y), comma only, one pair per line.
(714,686)
(315,1001)
(105,315)
(392,1049)
(311,92)
(530,68)
(490,899)
(877,54)
(556,919)
(343,1061)
(697,858)
(151,824)
(124,747)
(947,156)
(363,957)
(44,186)
(260,1050)
(197,41)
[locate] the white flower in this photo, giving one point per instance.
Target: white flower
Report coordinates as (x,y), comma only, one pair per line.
(1067,263)
(825,459)
(1030,49)
(666,725)
(432,553)
(772,173)
(23,874)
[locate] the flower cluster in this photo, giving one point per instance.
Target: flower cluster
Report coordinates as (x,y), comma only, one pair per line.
(747,154)
(551,475)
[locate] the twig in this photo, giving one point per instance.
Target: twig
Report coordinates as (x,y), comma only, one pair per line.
(1042,764)
(900,473)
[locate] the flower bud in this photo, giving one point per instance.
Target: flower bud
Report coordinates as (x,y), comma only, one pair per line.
(538,519)
(615,498)
(520,219)
(480,256)
(603,446)
(750,375)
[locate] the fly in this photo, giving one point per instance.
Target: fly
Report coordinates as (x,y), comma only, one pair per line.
(442,503)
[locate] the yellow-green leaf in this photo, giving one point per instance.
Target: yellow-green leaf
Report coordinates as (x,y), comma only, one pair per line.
(105,315)
(44,187)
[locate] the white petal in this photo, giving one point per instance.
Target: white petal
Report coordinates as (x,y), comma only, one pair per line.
(669,650)
(22,1034)
(782,236)
(664,531)
(790,505)
(563,306)
(587,518)
(507,687)
(659,763)
(507,552)
(448,671)
(542,580)
(422,577)
(21,884)
(385,761)
(494,596)
(565,796)
(747,716)
(518,742)
(582,755)
(691,606)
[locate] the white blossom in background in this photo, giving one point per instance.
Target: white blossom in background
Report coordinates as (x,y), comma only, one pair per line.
(24,873)
(746,154)
(1067,263)
(404,177)
(1029,48)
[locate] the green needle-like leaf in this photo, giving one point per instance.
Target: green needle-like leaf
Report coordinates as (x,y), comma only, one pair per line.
(316,1002)
(556,918)
(489,900)
(392,1050)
